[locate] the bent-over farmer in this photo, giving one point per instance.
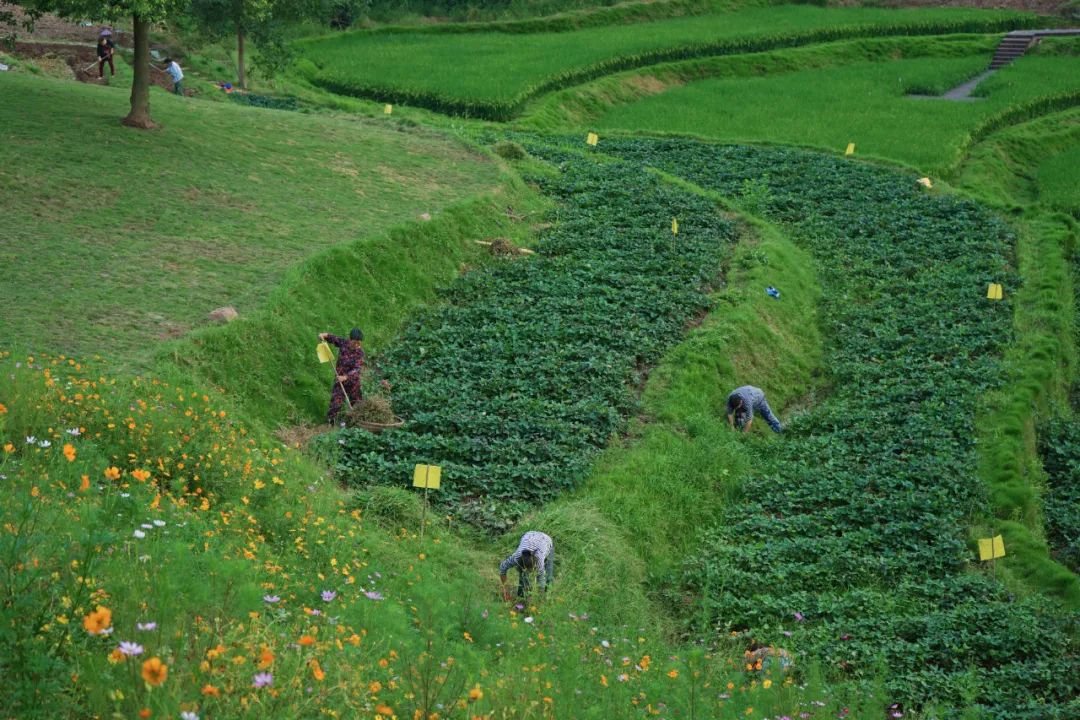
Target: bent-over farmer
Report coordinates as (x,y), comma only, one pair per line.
(534,554)
(350,363)
(741,404)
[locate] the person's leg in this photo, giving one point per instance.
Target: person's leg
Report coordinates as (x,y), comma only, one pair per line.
(549,569)
(177,89)
(101,67)
(352,387)
(112,67)
(337,399)
(767,413)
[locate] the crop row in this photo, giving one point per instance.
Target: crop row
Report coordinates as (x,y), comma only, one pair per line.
(529,367)
(1059,445)
(340,79)
(854,539)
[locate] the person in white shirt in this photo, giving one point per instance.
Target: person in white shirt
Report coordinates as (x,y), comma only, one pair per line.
(173,70)
(534,554)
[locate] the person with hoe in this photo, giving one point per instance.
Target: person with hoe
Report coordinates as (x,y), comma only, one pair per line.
(172,69)
(741,404)
(534,554)
(350,362)
(105,50)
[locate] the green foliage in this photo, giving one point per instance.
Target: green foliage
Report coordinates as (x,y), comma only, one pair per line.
(857,519)
(1059,445)
(522,376)
(1058,186)
(467,74)
(264,101)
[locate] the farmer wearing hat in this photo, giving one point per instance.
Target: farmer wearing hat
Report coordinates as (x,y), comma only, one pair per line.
(534,554)
(349,364)
(105,50)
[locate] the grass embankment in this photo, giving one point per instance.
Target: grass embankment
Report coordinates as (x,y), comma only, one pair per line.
(863,103)
(490,75)
(1042,363)
(115,241)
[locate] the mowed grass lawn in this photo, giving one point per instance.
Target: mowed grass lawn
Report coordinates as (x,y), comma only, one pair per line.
(112,240)
(864,103)
(494,66)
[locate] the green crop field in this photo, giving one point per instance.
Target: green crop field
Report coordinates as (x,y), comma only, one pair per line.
(492,72)
(179,538)
(864,103)
(122,241)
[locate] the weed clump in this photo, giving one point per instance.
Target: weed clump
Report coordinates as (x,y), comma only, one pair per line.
(509,150)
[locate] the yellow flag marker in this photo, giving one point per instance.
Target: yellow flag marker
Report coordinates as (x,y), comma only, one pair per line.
(925,182)
(591,139)
(387,109)
(993,291)
(991,548)
(850,149)
(427,476)
(324,352)
(674,226)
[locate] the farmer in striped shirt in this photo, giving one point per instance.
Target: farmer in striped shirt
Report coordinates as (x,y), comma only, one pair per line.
(741,404)
(534,554)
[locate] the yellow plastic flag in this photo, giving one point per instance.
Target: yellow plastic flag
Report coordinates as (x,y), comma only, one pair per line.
(991,548)
(850,149)
(591,139)
(674,226)
(925,182)
(427,476)
(387,109)
(324,352)
(994,292)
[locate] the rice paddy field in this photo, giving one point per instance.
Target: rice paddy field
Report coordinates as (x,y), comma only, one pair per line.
(557,324)
(500,68)
(869,104)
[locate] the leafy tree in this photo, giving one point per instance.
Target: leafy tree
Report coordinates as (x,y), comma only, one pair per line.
(143,13)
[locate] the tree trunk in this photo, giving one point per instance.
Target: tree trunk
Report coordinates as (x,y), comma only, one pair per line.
(139,117)
(242,80)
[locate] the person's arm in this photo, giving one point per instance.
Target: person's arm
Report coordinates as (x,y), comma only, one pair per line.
(334,340)
(504,567)
(731,420)
(746,427)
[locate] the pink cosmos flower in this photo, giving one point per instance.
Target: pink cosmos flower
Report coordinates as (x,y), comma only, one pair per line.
(262,680)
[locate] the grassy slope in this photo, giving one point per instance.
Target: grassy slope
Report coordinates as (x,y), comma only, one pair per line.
(861,103)
(502,66)
(119,240)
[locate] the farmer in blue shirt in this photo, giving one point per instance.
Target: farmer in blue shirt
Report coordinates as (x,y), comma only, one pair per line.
(741,404)
(173,70)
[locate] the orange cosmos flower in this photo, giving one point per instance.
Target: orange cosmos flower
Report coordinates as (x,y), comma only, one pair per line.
(673,674)
(85,484)
(112,473)
(476,693)
(69,452)
(154,671)
(266,659)
(98,621)
(3,408)
(317,671)
(211,691)
(374,686)
(306,640)
(9,448)
(145,713)
(384,710)
(140,475)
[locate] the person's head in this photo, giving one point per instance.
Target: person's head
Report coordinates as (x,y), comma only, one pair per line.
(168,61)
(528,560)
(103,39)
(733,404)
(356,334)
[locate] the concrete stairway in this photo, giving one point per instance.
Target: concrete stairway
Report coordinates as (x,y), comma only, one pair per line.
(1011,47)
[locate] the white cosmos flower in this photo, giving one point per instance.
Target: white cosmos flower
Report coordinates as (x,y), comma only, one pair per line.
(159,523)
(30,439)
(139,534)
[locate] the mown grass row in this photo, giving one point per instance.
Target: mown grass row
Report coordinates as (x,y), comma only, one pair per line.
(852,535)
(484,86)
